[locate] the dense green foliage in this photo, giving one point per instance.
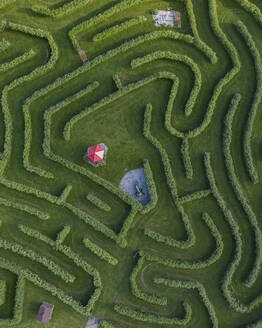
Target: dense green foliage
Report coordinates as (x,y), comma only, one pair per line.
(181,103)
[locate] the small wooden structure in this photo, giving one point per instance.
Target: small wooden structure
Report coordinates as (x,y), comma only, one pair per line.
(45,312)
(96,154)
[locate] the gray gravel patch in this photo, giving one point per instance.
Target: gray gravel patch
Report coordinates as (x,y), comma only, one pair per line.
(129,181)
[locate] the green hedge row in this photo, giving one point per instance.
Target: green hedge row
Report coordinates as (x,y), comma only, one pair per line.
(98,202)
(256,101)
(117,81)
(226,79)
(185,153)
(26,208)
(78,261)
(66,9)
(53,290)
(154,318)
(100,252)
(18,306)
(2,291)
(168,114)
(123,5)
(49,264)
(198,264)
(180,58)
(194,196)
(192,18)
(227,141)
(15,83)
(36,234)
(72,166)
(192,285)
(172,186)
(137,292)
(252,9)
(151,188)
(105,101)
(119,28)
(63,197)
(121,237)
(17,61)
(62,235)
(228,278)
(4,44)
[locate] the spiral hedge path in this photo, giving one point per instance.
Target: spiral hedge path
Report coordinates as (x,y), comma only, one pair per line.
(182,103)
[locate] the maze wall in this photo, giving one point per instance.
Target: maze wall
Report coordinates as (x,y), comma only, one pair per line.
(182,103)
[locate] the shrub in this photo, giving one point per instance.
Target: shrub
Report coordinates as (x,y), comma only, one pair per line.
(153,318)
(137,292)
(66,9)
(98,202)
(119,28)
(101,253)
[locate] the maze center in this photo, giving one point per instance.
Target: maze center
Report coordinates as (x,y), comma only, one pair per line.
(130,163)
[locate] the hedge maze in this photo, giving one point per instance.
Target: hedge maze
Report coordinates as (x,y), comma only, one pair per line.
(184,104)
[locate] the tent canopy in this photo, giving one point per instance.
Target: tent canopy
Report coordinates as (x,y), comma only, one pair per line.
(95,153)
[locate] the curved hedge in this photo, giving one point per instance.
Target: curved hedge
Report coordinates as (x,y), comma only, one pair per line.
(192,285)
(252,9)
(4,3)
(256,101)
(123,5)
(198,264)
(17,82)
(117,81)
(119,28)
(137,292)
(63,197)
(17,61)
(227,140)
(176,57)
(100,252)
(66,9)
(172,186)
(154,318)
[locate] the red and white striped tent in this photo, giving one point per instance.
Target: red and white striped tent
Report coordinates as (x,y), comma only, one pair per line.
(95,154)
